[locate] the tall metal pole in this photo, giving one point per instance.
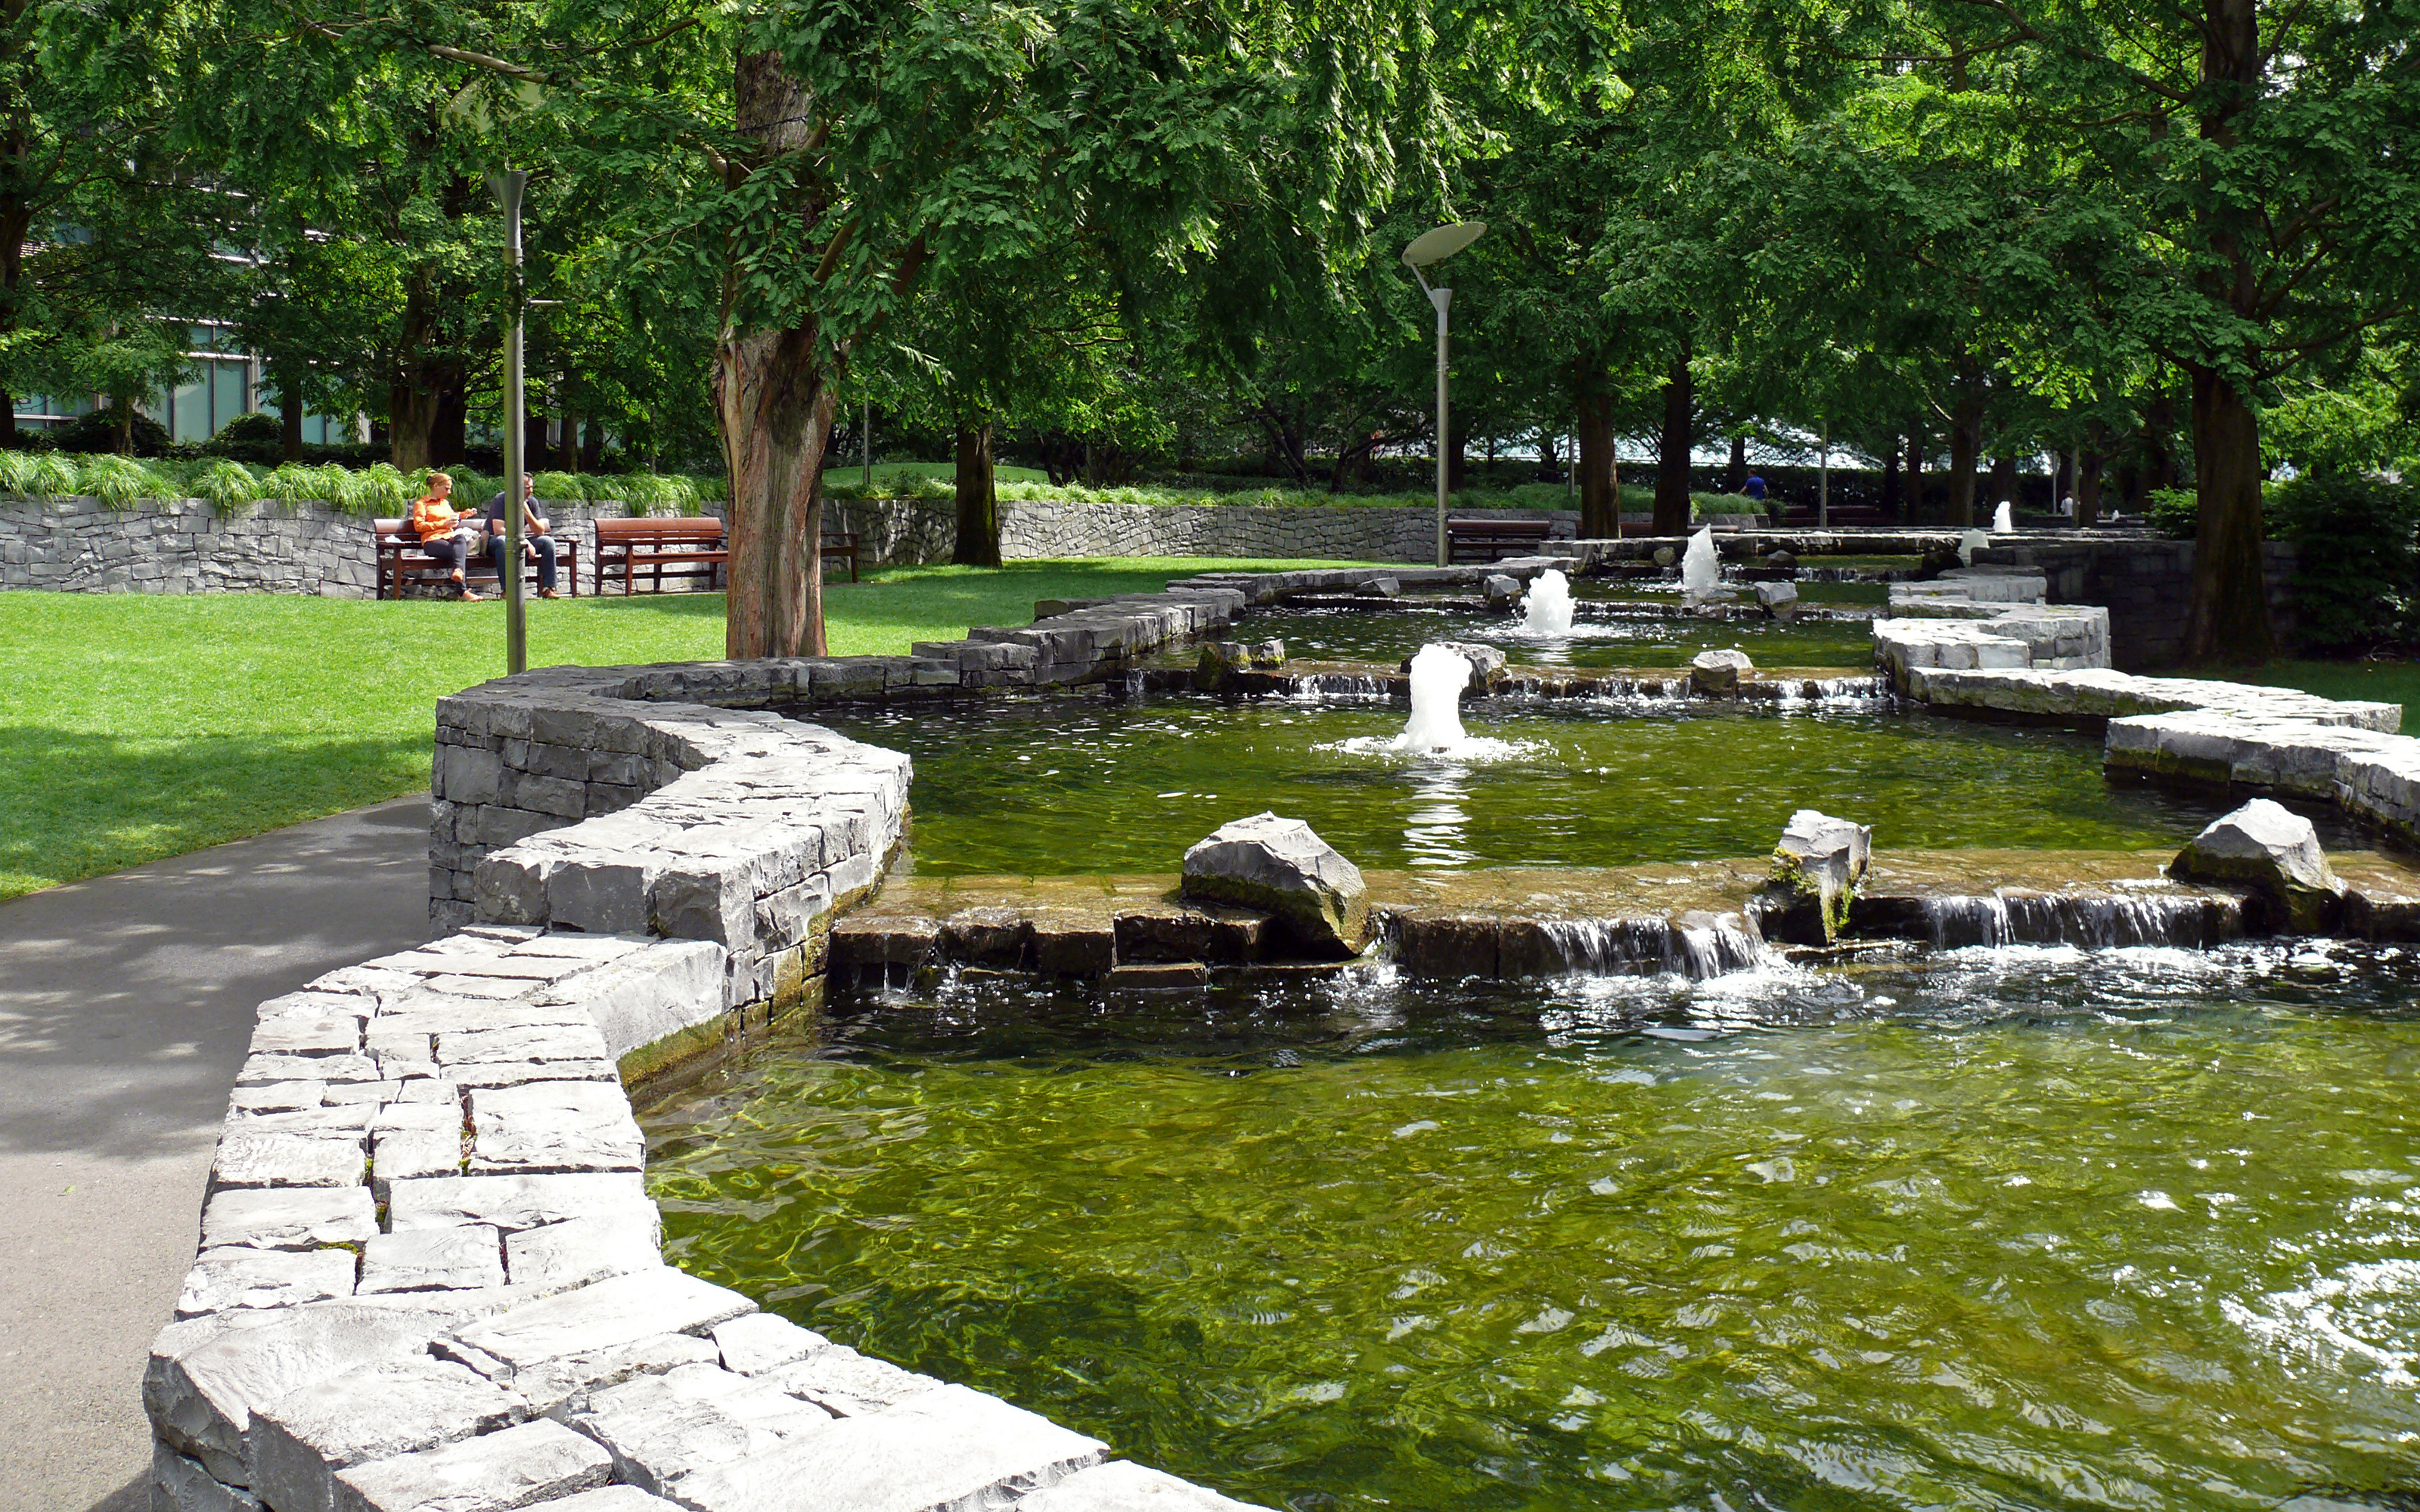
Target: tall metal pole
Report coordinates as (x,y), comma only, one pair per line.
(1440,298)
(508,186)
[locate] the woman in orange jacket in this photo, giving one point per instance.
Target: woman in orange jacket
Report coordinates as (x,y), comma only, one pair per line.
(442,530)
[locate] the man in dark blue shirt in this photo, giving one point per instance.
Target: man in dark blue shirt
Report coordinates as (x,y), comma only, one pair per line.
(1754,487)
(534,537)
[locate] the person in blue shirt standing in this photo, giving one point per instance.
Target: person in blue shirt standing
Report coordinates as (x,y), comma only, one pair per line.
(1754,487)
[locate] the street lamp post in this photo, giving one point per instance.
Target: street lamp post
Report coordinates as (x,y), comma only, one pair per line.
(508,186)
(1428,248)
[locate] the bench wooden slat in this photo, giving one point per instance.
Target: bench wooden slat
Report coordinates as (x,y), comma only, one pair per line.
(1492,540)
(687,547)
(400,559)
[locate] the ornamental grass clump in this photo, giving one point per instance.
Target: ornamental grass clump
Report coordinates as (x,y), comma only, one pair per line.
(384,490)
(227,486)
(119,481)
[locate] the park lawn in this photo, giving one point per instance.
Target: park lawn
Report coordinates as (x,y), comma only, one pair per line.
(2381,682)
(138,726)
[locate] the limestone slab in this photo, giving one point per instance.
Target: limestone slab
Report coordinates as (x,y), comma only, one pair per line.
(620,1310)
(512,1202)
(764,1341)
(559,1256)
(947,1448)
(299,1442)
(554,1126)
(531,1041)
(403,1154)
(251,1159)
(540,1461)
(659,1428)
(612,1499)
(289,1217)
(240,1276)
(433,1260)
(182,1484)
(849,1384)
(562,1388)
(1123,1486)
(309,1035)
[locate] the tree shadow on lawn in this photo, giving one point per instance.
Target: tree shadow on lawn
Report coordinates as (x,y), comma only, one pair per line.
(81,805)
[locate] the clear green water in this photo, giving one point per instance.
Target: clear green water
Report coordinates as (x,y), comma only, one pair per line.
(2016,1229)
(1635,631)
(1077,783)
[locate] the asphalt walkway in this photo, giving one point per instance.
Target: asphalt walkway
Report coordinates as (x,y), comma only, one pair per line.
(126,1003)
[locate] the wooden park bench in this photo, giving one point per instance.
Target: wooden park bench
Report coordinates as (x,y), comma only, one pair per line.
(681,547)
(841,544)
(1492,540)
(401,560)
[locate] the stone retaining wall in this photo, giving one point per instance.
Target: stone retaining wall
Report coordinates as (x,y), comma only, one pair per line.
(2145,583)
(921,531)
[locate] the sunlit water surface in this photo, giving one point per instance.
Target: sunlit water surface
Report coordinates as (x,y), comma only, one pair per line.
(1999,1230)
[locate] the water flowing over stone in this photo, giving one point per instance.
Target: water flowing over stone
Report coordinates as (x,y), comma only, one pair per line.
(2275,852)
(1486,662)
(1716,673)
(2092,923)
(1548,607)
(1701,572)
(1283,867)
(1824,858)
(1969,545)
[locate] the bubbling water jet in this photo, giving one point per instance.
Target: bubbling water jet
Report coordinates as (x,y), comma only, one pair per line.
(2004,520)
(1547,607)
(1438,676)
(1701,571)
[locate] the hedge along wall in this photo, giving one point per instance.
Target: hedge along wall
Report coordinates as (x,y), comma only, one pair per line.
(186,545)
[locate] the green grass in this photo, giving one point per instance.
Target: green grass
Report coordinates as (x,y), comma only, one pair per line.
(2382,681)
(137,727)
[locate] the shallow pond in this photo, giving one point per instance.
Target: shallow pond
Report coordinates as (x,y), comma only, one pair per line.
(2019,1228)
(1079,783)
(1639,630)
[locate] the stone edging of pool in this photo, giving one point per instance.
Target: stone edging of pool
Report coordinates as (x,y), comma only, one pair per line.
(429,1265)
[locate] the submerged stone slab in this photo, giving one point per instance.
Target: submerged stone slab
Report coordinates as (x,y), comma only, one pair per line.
(947,1449)
(518,1467)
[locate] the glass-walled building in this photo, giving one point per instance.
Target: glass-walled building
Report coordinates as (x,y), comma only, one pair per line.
(224,381)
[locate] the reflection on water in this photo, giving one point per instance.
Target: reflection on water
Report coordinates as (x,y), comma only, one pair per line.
(1436,836)
(1075,783)
(1995,1228)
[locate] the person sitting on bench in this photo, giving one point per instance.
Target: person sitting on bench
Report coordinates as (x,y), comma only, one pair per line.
(534,537)
(444,532)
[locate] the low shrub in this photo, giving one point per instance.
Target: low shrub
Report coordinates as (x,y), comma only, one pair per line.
(119,481)
(2357,573)
(2174,513)
(227,485)
(255,438)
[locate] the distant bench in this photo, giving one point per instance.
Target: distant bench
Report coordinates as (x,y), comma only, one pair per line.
(680,548)
(1492,540)
(401,560)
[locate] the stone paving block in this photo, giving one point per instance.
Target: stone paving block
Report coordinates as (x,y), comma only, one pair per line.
(528,1042)
(763,1341)
(519,965)
(849,1384)
(647,995)
(302,1440)
(560,1388)
(330,1120)
(262,1068)
(208,1376)
(590,949)
(621,1310)
(431,1090)
(182,1484)
(240,1276)
(249,1158)
(277,1097)
(405,1155)
(384,1042)
(512,1202)
(554,1126)
(460,984)
(312,1005)
(457,1016)
(560,1256)
(952,1447)
(309,1035)
(288,1217)
(1124,1485)
(518,1467)
(516,1073)
(612,1499)
(433,1260)
(661,1428)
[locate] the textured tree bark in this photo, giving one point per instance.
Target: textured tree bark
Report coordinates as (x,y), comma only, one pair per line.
(978,542)
(1672,448)
(1735,474)
(1600,487)
(289,429)
(567,442)
(1966,449)
(2228,621)
(774,400)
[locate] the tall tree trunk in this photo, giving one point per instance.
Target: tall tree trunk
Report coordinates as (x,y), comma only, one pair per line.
(978,544)
(1735,474)
(567,442)
(1890,504)
(1915,470)
(1672,448)
(1600,487)
(449,433)
(2088,462)
(290,429)
(411,398)
(2002,488)
(1965,446)
(774,401)
(2229,618)
(2160,439)
(592,447)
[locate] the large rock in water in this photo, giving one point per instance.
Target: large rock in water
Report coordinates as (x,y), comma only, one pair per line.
(1824,858)
(1281,867)
(1716,673)
(2275,852)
